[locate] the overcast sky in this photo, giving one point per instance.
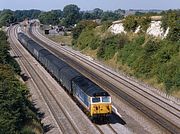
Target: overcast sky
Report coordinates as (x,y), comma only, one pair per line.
(90,4)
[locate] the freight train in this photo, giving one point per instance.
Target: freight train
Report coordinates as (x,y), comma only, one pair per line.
(94,100)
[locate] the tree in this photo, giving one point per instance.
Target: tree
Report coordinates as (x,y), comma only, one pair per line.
(130,23)
(6,17)
(171,19)
(97,12)
(16,111)
(20,15)
(144,22)
(110,45)
(50,18)
(82,25)
(109,16)
(58,13)
(71,15)
(120,12)
(87,16)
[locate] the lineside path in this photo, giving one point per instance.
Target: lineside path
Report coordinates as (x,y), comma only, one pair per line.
(148,102)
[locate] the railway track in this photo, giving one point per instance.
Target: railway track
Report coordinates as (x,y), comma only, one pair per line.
(61,127)
(106,129)
(161,103)
(174,111)
(125,82)
(61,117)
(113,130)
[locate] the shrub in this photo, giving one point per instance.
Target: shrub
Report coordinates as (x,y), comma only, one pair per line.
(81,26)
(88,39)
(106,25)
(169,74)
(131,51)
(109,46)
(171,19)
(130,23)
(144,22)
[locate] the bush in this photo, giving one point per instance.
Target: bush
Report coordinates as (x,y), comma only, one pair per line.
(88,39)
(151,47)
(27,130)
(109,46)
(5,57)
(81,26)
(171,19)
(131,51)
(153,58)
(15,108)
(144,22)
(130,23)
(169,74)
(106,25)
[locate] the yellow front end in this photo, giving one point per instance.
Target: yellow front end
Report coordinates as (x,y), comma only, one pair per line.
(100,109)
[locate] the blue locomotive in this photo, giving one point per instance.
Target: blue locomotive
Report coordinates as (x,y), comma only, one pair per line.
(94,99)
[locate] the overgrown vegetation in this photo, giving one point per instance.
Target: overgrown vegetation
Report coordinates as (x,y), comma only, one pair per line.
(132,22)
(147,57)
(110,45)
(171,19)
(88,38)
(82,25)
(152,58)
(17,113)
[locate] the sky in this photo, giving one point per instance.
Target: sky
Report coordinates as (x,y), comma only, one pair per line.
(46,5)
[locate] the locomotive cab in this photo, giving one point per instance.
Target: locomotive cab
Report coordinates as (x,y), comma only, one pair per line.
(101,106)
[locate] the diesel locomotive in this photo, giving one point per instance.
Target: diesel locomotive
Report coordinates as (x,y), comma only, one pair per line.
(94,100)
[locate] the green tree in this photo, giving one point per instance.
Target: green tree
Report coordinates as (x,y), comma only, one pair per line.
(97,13)
(87,16)
(16,111)
(144,22)
(88,38)
(109,15)
(82,25)
(20,15)
(120,12)
(50,18)
(171,19)
(5,57)
(110,45)
(6,17)
(71,15)
(130,23)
